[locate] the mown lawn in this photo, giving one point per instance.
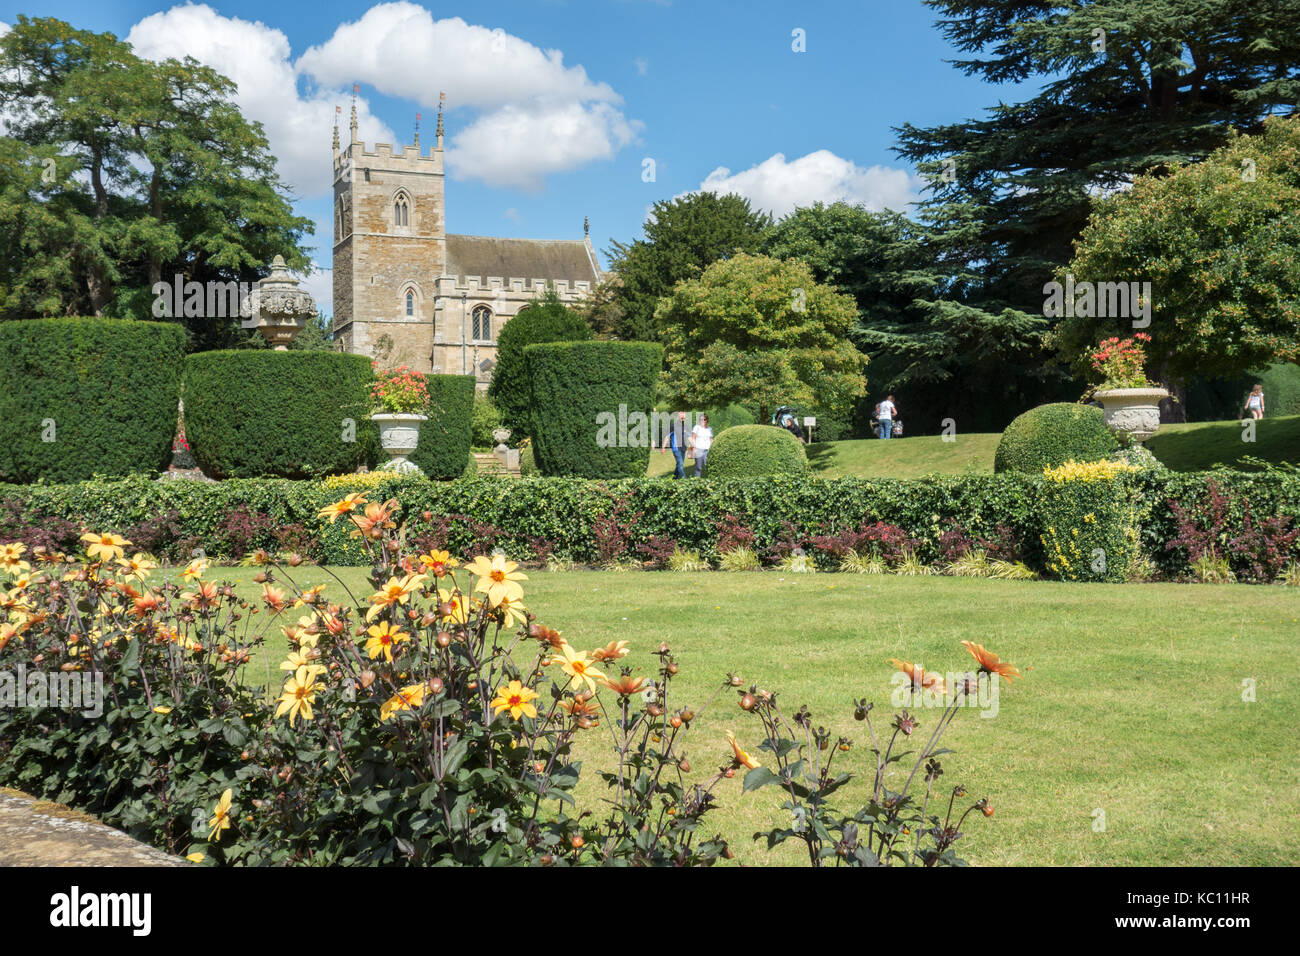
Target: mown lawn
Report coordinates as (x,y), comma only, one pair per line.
(1201,445)
(1191,447)
(1131,702)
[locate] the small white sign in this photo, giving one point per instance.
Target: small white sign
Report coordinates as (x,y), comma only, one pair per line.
(809,422)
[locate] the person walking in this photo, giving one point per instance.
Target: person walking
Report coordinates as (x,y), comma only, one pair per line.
(702,440)
(886,412)
(1255,402)
(676,441)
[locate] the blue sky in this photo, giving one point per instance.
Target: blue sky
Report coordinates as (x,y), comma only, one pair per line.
(555,106)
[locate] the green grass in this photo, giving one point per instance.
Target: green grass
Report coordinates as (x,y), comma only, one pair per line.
(1190,447)
(1131,701)
(1201,445)
(906,457)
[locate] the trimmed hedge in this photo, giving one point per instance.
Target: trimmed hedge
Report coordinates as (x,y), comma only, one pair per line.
(1051,435)
(586,396)
(444,448)
(83,396)
(563,516)
(254,412)
(752,450)
(545,320)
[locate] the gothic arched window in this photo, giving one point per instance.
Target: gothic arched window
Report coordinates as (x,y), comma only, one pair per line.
(410,302)
(401,210)
(482,317)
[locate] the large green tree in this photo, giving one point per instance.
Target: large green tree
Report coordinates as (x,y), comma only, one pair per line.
(942,359)
(760,332)
(547,319)
(1219,243)
(683,236)
(129,171)
(1122,88)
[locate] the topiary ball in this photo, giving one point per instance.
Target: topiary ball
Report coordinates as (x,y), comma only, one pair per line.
(744,451)
(1051,435)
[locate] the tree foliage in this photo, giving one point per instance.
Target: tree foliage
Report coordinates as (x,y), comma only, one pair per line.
(1126,87)
(1219,241)
(117,173)
(683,236)
(763,333)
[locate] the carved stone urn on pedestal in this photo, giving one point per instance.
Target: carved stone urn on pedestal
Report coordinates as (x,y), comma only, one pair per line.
(1133,414)
(278,308)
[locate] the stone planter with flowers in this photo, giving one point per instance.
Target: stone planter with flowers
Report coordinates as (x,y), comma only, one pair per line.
(403,397)
(1130,401)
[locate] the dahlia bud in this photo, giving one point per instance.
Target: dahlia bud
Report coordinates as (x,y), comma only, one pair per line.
(436,685)
(747,702)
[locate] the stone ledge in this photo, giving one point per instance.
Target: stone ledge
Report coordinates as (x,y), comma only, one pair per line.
(40,833)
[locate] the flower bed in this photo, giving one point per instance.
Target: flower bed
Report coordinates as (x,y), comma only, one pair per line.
(432,721)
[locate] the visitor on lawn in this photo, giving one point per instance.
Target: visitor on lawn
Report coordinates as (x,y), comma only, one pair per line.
(676,440)
(702,440)
(885,412)
(1255,403)
(792,426)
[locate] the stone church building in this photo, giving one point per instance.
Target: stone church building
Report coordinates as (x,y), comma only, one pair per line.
(407,292)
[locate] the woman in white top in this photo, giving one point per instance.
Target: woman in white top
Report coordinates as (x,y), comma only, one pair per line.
(1255,403)
(702,440)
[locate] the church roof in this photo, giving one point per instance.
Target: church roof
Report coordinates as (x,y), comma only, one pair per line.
(484,256)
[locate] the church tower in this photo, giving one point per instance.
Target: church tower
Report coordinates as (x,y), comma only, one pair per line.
(390,248)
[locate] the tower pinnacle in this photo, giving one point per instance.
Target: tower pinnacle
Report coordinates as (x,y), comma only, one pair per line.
(356,88)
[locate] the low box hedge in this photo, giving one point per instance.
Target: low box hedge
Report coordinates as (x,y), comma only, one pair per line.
(563,516)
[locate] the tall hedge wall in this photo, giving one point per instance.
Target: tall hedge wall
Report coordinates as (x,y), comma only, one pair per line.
(577,386)
(445,438)
(251,413)
(82,396)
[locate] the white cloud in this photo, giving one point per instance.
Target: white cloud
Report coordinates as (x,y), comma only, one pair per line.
(642,65)
(520,146)
(537,116)
(778,185)
(257,58)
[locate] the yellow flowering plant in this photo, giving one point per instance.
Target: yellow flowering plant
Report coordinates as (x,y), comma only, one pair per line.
(1091,518)
(146,706)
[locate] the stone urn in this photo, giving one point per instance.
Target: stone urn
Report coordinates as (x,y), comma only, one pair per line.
(399,433)
(277,307)
(1133,414)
